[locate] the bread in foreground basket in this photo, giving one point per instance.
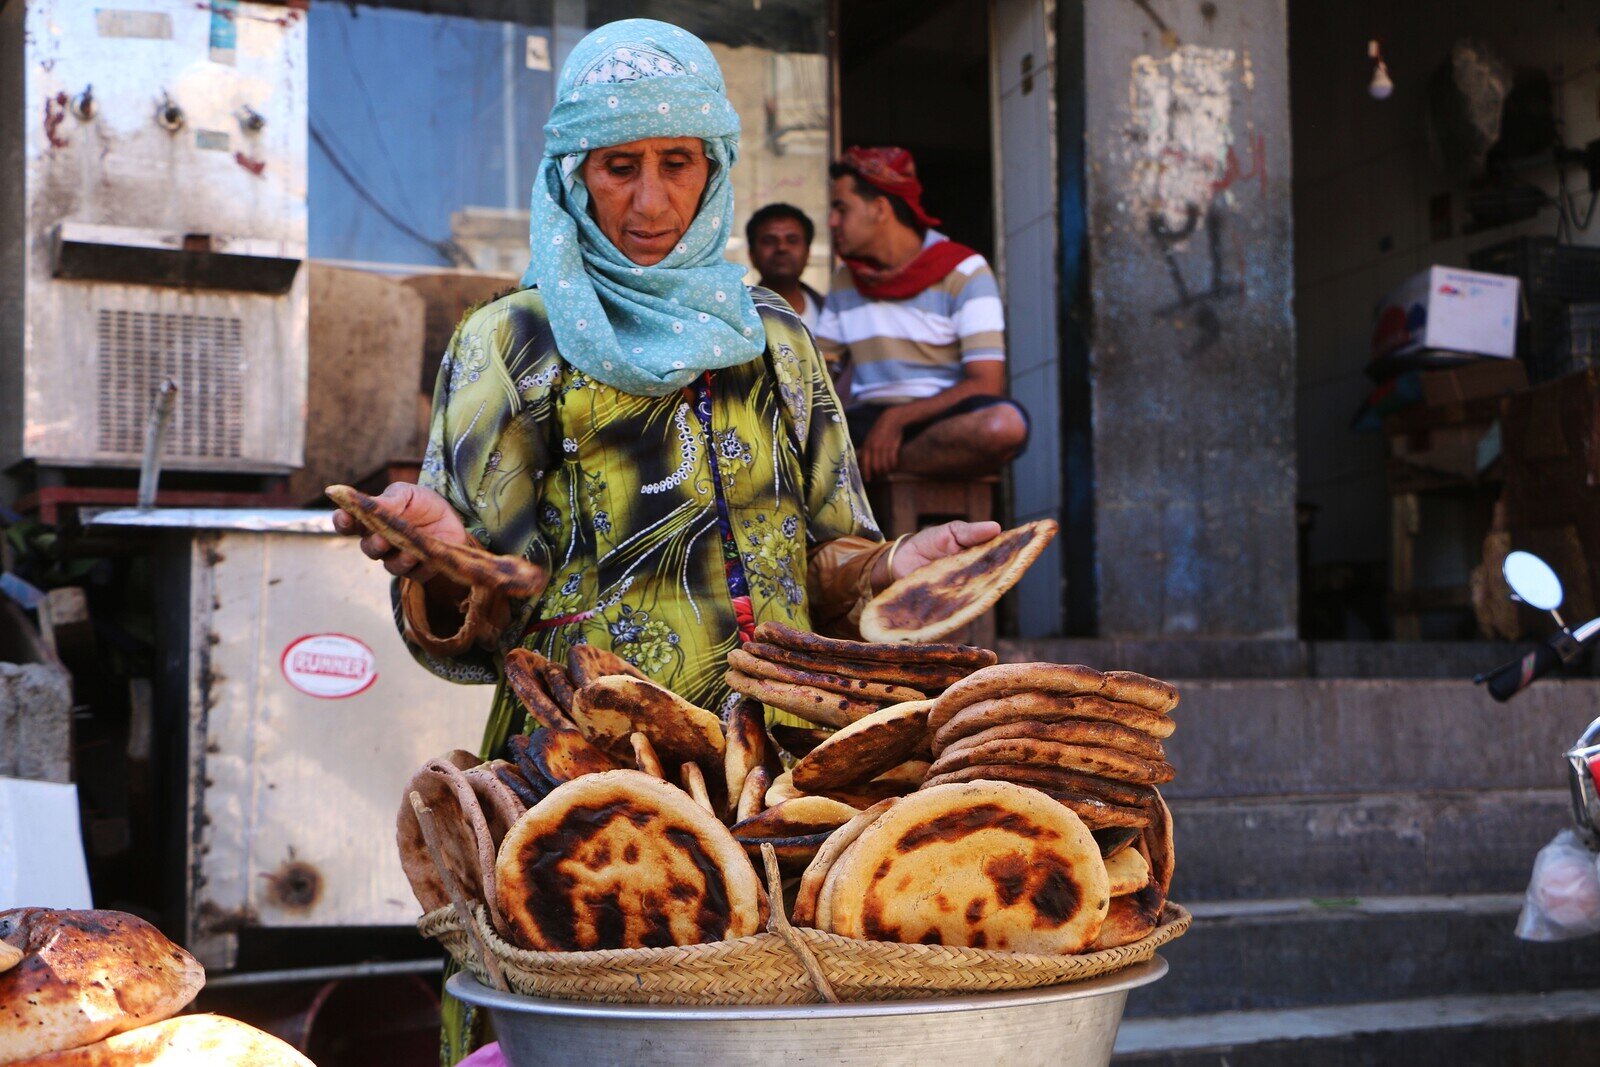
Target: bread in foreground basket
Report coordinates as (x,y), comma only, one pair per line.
(624,860)
(981,864)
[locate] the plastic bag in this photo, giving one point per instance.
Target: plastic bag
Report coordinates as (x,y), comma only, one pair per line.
(1563,900)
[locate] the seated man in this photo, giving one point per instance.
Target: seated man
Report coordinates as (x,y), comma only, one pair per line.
(919,318)
(779,236)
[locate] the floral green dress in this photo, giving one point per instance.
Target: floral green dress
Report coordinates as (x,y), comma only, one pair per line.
(666,525)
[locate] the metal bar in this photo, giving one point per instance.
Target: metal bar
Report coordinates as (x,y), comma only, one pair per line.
(155,440)
(326,974)
(508,111)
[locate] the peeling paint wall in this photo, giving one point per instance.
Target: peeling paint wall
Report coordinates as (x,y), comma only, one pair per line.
(1192,357)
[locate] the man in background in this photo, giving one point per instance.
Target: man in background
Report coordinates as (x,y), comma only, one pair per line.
(918,316)
(779,237)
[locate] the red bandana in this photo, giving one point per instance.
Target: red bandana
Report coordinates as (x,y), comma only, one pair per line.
(893,171)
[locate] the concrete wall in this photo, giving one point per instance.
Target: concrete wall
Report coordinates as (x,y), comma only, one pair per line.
(1191,273)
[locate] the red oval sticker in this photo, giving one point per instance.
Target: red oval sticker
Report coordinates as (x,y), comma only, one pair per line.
(330,666)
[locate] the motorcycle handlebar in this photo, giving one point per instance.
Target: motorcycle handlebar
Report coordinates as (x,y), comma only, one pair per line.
(1507,681)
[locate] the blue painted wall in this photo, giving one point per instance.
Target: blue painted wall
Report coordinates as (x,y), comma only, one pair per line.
(412,105)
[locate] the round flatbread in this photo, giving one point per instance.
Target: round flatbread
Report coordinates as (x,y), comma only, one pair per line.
(1065,679)
(463,837)
(805,897)
(624,860)
(1128,871)
(527,681)
(978,864)
(855,688)
(968,656)
(941,597)
(1057,779)
(85,975)
(562,755)
(1099,815)
(809,703)
(798,740)
(1130,918)
(187,1041)
(794,854)
(744,727)
(610,709)
(795,818)
(860,751)
(500,804)
(1158,846)
(1069,732)
(589,663)
(1046,707)
(752,799)
(923,677)
(1101,762)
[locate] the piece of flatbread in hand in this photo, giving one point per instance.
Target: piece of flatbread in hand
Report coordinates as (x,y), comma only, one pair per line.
(941,597)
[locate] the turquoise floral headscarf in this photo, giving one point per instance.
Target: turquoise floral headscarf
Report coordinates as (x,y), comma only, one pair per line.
(645,330)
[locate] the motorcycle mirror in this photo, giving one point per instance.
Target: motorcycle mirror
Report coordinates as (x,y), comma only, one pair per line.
(1532,580)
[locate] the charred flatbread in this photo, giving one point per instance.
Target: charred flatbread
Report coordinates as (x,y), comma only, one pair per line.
(1128,871)
(1046,707)
(622,860)
(526,791)
(743,723)
(644,756)
(867,747)
(923,677)
(941,597)
(1100,762)
(564,755)
(798,740)
(811,704)
(806,896)
(469,564)
(967,656)
(794,818)
(1066,679)
(978,864)
(85,975)
(1057,779)
(590,663)
(752,798)
(187,1041)
(1070,732)
(1130,918)
(1158,846)
(855,688)
(794,854)
(527,681)
(611,708)
(463,837)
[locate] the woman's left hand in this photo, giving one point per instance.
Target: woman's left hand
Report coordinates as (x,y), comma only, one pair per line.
(925,546)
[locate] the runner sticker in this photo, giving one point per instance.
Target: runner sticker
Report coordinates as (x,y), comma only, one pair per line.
(330,666)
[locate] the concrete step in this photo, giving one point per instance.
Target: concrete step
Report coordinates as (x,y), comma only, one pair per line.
(1343,845)
(1317,737)
(1254,955)
(1518,1030)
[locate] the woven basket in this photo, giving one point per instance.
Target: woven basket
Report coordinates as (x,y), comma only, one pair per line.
(766,969)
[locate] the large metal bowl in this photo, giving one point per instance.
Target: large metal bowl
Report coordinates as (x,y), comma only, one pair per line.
(1064,1026)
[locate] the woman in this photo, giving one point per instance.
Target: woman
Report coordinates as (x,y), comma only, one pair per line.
(663,441)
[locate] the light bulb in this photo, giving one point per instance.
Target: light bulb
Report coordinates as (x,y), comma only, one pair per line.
(1382,85)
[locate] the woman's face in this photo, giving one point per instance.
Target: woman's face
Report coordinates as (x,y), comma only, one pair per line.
(644,194)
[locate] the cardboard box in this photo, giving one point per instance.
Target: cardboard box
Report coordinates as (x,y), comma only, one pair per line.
(1451,310)
(1485,378)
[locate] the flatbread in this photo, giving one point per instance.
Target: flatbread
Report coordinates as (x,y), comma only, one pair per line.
(468,564)
(794,854)
(526,791)
(85,975)
(977,864)
(519,747)
(968,656)
(798,740)
(867,747)
(10,956)
(941,597)
(1069,732)
(623,860)
(590,663)
(468,851)
(1056,779)
(611,708)
(1113,839)
(1128,871)
(1099,815)
(499,803)
(1158,845)
(1066,679)
(793,818)
(187,1041)
(1046,707)
(644,756)
(813,705)
(1101,762)
(806,895)
(1130,918)
(926,678)
(752,799)
(856,688)
(563,755)
(744,726)
(526,680)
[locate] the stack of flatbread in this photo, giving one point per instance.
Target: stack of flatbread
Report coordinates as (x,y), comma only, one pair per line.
(832,682)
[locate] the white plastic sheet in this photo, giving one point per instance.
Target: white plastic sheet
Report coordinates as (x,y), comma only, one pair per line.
(41,846)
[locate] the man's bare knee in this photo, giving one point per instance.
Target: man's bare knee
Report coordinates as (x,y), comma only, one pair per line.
(1004,429)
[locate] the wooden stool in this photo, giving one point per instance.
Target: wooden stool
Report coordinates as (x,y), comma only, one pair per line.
(906,503)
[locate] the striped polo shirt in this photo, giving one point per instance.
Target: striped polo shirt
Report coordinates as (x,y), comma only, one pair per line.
(910,349)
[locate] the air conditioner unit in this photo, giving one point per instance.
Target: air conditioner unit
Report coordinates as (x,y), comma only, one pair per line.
(153,227)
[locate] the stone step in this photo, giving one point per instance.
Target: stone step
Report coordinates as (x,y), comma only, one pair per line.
(1288,738)
(1344,845)
(1255,955)
(1559,1027)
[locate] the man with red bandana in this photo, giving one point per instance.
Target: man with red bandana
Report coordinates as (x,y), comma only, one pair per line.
(919,319)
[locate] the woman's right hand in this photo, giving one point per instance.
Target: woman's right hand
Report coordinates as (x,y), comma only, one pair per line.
(425,510)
